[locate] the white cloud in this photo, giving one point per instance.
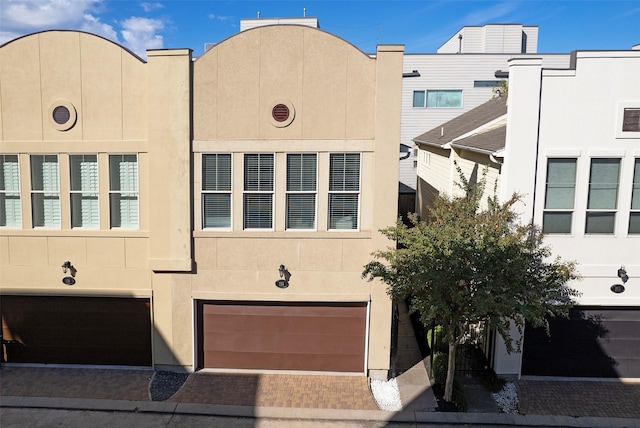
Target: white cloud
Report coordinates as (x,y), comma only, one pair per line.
(140,34)
(149,7)
(93,25)
(218,17)
(26,16)
(489,14)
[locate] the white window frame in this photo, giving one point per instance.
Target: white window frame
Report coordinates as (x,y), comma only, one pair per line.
(91,193)
(127,192)
(622,106)
(10,173)
(596,211)
(52,193)
(345,192)
(217,191)
(262,189)
(555,210)
(302,192)
(635,196)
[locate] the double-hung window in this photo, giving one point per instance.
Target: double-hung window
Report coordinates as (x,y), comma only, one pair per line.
(216,191)
(603,195)
(123,191)
(45,191)
(258,191)
(344,190)
(634,216)
(10,211)
(85,209)
(301,190)
(559,196)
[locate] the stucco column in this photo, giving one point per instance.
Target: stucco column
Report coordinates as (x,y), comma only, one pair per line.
(385,182)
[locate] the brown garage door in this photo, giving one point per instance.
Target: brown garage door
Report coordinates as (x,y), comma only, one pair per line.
(76,330)
(322,337)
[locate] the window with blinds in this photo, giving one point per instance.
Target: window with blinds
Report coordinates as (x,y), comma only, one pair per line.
(123,191)
(216,191)
(301,190)
(634,216)
(45,191)
(344,190)
(603,195)
(559,196)
(258,191)
(10,210)
(85,209)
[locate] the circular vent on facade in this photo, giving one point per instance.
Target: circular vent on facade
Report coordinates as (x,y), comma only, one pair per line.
(280,113)
(62,115)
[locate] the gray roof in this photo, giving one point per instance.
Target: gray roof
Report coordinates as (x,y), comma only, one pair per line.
(485,142)
(466,123)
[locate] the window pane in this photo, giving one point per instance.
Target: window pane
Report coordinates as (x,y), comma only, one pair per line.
(561,179)
(216,210)
(123,185)
(603,184)
(634,223)
(301,211)
(635,196)
(344,172)
(84,180)
(343,211)
(301,172)
(46,209)
(598,222)
(631,120)
(418,98)
(216,172)
(556,222)
(444,99)
(10,209)
(258,172)
(258,211)
(45,204)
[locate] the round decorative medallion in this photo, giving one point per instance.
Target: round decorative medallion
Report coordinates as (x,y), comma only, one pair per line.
(282,113)
(62,115)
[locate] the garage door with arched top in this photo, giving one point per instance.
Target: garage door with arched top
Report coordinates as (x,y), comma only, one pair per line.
(281,336)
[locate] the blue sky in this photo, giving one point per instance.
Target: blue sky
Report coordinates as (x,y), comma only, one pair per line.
(422,26)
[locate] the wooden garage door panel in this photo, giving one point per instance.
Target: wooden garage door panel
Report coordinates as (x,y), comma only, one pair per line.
(283,336)
(77,330)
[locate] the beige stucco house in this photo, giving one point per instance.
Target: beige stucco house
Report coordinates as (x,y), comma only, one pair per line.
(215,213)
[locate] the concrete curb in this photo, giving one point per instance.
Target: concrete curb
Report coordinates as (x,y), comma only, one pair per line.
(469,419)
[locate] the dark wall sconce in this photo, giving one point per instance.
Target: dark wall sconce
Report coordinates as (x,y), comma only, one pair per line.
(622,274)
(68,267)
(284,275)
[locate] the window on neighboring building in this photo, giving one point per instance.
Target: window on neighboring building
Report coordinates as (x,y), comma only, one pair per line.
(344,190)
(123,191)
(634,217)
(425,158)
(631,120)
(85,209)
(45,191)
(487,83)
(603,195)
(301,191)
(216,191)
(258,191)
(10,210)
(419,98)
(444,99)
(559,196)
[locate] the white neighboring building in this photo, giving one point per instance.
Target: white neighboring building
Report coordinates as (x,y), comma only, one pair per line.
(439,87)
(570,144)
(573,150)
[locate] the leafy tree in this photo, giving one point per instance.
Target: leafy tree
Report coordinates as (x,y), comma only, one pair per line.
(465,265)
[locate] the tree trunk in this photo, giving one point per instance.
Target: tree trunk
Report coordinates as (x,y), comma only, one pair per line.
(451,369)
